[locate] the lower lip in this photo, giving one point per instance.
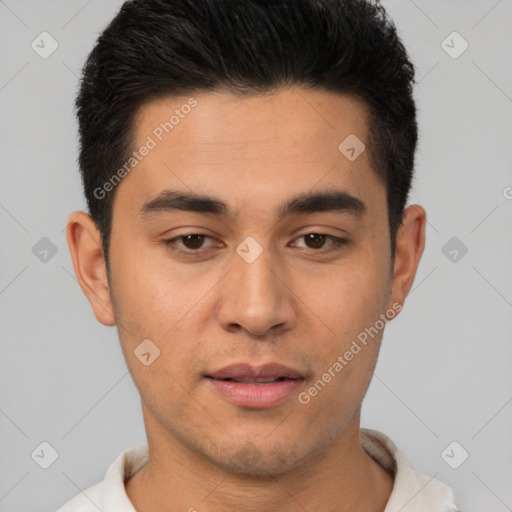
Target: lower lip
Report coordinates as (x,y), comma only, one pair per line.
(256,396)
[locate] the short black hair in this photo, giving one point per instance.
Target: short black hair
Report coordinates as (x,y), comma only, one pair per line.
(161,48)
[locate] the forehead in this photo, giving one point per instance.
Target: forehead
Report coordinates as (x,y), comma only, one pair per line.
(220,124)
(268,145)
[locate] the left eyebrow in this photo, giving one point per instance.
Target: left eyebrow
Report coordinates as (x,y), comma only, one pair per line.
(328,201)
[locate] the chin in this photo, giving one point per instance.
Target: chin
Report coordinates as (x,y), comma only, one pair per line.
(268,460)
(266,466)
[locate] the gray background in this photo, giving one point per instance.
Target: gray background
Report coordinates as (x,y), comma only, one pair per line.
(444,371)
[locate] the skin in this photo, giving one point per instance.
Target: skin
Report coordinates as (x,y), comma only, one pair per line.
(295,304)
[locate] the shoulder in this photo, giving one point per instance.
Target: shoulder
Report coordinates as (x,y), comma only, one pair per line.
(109,495)
(412,490)
(85,501)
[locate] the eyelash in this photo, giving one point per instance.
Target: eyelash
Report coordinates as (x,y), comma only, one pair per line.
(337,244)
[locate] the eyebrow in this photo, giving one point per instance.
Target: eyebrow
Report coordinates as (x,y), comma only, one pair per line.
(328,201)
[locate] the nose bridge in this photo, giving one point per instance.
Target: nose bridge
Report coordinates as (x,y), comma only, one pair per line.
(255,298)
(257,276)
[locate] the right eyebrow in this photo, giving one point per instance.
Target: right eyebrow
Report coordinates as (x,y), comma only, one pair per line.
(170,200)
(328,201)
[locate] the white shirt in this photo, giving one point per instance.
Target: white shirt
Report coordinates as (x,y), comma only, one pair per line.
(412,491)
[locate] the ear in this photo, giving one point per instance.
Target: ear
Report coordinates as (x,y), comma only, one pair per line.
(84,241)
(410,243)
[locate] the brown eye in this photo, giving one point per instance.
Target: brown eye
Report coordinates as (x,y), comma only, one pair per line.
(315,240)
(193,241)
(192,244)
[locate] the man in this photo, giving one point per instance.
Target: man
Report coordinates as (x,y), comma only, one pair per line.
(246,167)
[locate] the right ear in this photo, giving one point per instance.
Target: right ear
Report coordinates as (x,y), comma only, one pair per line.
(84,241)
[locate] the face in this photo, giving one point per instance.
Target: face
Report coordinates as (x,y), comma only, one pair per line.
(252,256)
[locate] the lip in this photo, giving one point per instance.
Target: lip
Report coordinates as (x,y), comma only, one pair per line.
(247,371)
(253,395)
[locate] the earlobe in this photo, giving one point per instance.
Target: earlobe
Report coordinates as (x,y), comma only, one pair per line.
(410,243)
(84,241)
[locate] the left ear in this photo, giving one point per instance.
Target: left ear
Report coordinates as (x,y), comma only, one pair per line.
(410,242)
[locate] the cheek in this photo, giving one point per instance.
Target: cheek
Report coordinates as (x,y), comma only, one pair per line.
(153,296)
(347,359)
(162,304)
(350,299)
(349,304)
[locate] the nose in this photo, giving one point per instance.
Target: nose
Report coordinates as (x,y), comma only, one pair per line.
(256,297)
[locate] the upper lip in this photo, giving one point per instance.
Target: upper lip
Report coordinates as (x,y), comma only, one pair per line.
(248,371)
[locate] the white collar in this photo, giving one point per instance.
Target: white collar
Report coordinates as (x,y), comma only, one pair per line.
(412,491)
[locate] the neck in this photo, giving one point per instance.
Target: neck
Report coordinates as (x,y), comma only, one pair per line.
(341,478)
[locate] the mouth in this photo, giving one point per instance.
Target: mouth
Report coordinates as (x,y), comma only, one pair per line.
(254,387)
(256,380)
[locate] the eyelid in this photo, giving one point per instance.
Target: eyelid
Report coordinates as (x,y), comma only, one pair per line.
(170,241)
(337,243)
(335,239)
